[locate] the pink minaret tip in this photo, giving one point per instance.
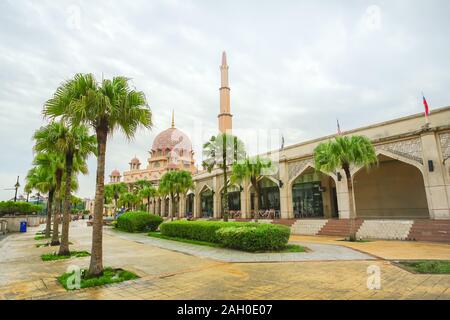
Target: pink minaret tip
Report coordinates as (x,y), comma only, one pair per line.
(224,58)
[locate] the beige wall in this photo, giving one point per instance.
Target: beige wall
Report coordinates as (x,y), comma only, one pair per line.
(393,189)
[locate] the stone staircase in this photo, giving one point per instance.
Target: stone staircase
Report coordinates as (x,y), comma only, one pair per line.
(338,227)
(385,229)
(430,230)
(308,227)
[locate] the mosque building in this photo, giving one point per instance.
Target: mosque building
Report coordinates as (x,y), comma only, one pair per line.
(405,196)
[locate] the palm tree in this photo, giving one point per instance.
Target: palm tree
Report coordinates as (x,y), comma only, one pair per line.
(222,151)
(342,153)
(114,190)
(75,144)
(42,179)
(183,183)
(106,107)
(129,200)
(147,193)
(54,163)
(251,169)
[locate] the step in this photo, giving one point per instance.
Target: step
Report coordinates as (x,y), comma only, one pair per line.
(308,226)
(340,227)
(385,229)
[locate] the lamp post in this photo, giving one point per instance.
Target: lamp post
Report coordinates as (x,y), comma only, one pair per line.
(16,186)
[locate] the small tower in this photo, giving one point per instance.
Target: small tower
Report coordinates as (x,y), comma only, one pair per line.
(135,164)
(225,117)
(115,176)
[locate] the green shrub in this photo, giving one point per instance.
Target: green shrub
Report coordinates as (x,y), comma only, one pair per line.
(138,221)
(237,235)
(19,207)
(198,230)
(264,237)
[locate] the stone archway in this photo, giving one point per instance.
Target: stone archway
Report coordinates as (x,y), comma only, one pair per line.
(190,202)
(394,188)
(269,198)
(234,200)
(313,195)
(206,204)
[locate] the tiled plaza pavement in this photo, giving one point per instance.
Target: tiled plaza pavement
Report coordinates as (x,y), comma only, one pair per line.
(167,274)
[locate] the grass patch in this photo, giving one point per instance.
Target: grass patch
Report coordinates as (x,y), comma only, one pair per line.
(294,248)
(73,254)
(39,237)
(427,266)
(357,240)
(110,275)
(288,248)
(198,242)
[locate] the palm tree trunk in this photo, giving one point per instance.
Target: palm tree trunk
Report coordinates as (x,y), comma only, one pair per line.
(172,200)
(56,210)
(148,204)
(64,247)
(48,226)
(225,181)
(96,263)
(256,201)
(352,217)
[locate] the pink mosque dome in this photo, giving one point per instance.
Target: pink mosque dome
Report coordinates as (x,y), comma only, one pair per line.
(135,160)
(115,173)
(172,139)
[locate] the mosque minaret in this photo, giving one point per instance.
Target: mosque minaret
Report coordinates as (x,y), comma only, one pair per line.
(225,117)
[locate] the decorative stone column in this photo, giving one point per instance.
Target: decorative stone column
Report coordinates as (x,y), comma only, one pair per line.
(182,205)
(197,206)
(170,213)
(245,201)
(434,172)
(216,198)
(163,206)
(285,211)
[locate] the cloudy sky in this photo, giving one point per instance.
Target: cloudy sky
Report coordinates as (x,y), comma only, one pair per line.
(295,66)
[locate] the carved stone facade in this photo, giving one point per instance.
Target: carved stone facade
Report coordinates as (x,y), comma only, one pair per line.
(444,139)
(411,149)
(296,167)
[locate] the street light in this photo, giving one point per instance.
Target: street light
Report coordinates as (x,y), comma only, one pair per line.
(16,186)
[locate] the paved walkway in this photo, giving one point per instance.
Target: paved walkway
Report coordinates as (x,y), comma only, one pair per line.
(386,249)
(167,274)
(317,252)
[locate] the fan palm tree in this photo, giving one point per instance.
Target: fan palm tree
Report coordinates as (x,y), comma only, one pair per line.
(184,183)
(114,190)
(54,162)
(75,144)
(222,151)
(106,107)
(42,179)
(128,199)
(251,169)
(342,153)
(147,193)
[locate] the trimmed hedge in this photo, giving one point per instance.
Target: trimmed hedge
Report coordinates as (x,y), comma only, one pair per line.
(264,237)
(245,236)
(198,230)
(138,221)
(19,207)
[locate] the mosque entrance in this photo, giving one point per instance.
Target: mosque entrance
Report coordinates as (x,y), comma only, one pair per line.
(314,195)
(206,200)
